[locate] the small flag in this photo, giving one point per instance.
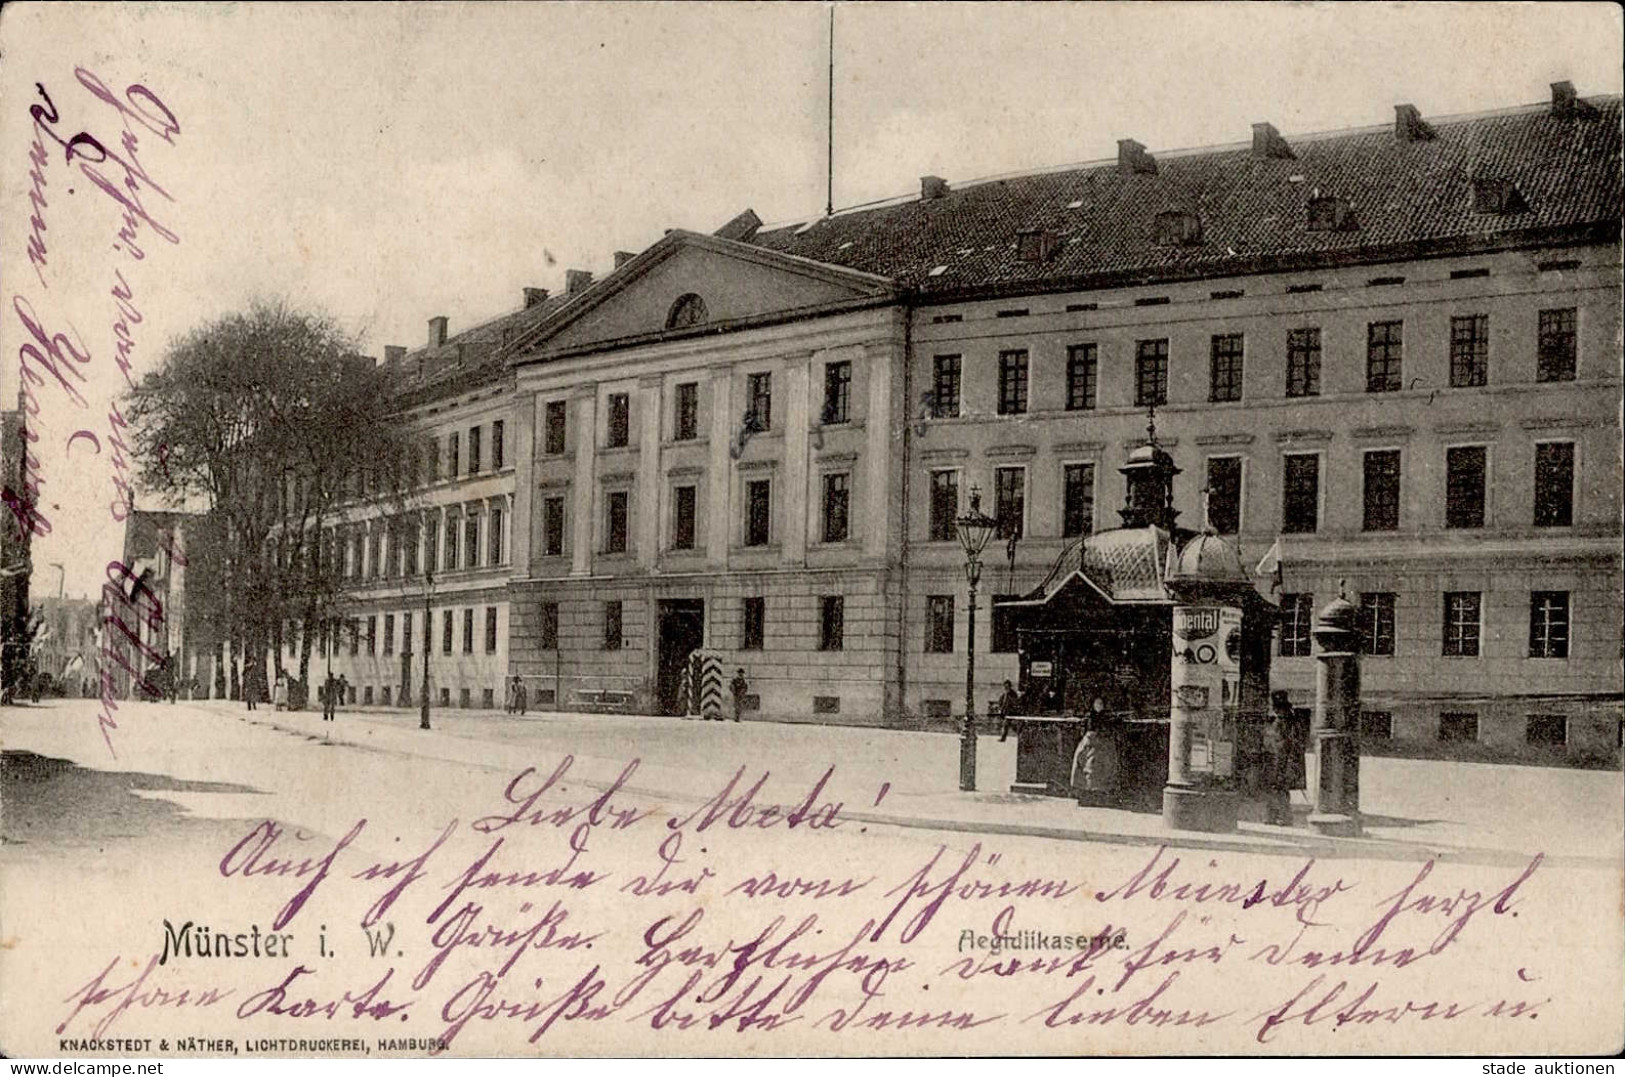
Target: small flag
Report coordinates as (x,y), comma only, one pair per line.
(1270,565)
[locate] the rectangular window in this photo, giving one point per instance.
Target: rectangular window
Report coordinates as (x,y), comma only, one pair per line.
(493,543)
(1459,726)
(686,422)
(682,518)
(944,505)
(612,626)
(1297,613)
(555,427)
(1464,486)
(447,632)
(471,541)
(1461,623)
(406,633)
(753,624)
(389,633)
(1082,377)
(1554,484)
(451,542)
(474,449)
(836,507)
(1300,499)
(1004,626)
(498,448)
(355,638)
(468,631)
(1225,381)
(831,622)
(1548,624)
(615,513)
(1384,357)
(431,549)
(553,526)
(837,394)
(1224,494)
(758,512)
(1556,360)
(490,630)
(1013,382)
(1377,725)
(1077,499)
(619,420)
(1151,373)
(939,624)
(759,393)
(453,459)
(1010,500)
(1377,623)
(547,625)
(1551,730)
(1303,362)
(945,387)
(433,455)
(1469,351)
(372,635)
(1382,490)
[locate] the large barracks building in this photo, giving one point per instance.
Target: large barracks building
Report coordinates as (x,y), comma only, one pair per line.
(1386,360)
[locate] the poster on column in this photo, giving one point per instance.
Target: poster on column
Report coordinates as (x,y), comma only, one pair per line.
(691,386)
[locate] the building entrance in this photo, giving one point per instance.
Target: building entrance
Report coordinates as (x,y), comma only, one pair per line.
(682,632)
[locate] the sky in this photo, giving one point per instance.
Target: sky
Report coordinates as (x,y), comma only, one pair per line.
(389,163)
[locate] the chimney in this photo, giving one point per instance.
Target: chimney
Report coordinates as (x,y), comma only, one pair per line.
(933,188)
(1409,126)
(741,228)
(437,331)
(1132,158)
(1563,100)
(623,257)
(1267,142)
(576,281)
(535,297)
(393,354)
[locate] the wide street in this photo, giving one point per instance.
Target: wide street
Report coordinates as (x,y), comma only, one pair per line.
(101,850)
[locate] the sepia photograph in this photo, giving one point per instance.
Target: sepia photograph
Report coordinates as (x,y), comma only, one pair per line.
(767,530)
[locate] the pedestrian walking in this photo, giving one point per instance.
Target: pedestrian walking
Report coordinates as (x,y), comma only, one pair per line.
(521,697)
(330,694)
(740,687)
(1009,703)
(250,691)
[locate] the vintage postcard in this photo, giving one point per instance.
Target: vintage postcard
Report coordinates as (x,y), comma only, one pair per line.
(836,530)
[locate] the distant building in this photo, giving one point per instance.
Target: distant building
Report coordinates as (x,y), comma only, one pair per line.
(67,644)
(16,565)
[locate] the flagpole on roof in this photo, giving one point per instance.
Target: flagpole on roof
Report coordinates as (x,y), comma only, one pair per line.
(829,156)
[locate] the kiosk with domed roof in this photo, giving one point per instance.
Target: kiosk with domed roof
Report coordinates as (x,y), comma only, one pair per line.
(1156,634)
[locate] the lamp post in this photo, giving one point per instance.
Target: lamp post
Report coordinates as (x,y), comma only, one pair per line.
(974,530)
(428,592)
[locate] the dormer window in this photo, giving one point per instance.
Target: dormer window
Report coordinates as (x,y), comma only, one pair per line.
(688,310)
(1497,196)
(1329,214)
(1178,228)
(1036,245)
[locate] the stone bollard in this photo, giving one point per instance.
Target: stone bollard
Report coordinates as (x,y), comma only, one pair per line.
(1336,730)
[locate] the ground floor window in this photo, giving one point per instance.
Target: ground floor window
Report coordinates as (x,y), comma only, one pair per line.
(831,623)
(1458,726)
(1548,729)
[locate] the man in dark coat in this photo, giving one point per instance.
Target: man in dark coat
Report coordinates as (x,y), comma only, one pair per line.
(740,687)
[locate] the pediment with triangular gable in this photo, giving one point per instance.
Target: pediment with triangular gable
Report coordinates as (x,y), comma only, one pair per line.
(690,283)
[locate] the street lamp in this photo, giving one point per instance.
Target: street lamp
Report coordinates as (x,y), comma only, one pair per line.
(428,592)
(974,530)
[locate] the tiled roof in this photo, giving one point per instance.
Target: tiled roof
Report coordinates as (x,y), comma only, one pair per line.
(468,359)
(1406,196)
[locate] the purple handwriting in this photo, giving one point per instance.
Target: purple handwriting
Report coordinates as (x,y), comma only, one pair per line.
(524,792)
(122,998)
(369,1003)
(1336,1005)
(962,884)
(739,812)
(1165,885)
(251,857)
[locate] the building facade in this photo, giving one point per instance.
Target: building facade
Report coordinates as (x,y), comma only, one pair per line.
(1387,359)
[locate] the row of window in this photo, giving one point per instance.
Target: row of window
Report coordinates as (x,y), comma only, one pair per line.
(757,418)
(455,462)
(1547,730)
(753,624)
(1462,624)
(365,634)
(1466,487)
(1556,355)
(381,696)
(366,555)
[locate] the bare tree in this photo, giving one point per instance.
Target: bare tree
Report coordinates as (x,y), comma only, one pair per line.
(267,418)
